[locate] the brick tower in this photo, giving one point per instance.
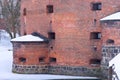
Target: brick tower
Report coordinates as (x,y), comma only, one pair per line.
(73,31)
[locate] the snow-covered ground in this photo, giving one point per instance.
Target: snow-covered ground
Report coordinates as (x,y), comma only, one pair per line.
(6,65)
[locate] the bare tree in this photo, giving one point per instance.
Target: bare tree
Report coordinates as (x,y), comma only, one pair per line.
(10,11)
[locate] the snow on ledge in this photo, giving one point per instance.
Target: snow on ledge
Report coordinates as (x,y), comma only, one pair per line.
(115,16)
(28,38)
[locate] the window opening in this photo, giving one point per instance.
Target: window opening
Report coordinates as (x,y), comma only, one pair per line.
(110,41)
(95,61)
(42,59)
(51,35)
(22,59)
(95,35)
(49,8)
(96,6)
(52,59)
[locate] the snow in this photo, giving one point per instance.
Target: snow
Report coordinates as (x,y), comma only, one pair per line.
(115,16)
(28,38)
(6,59)
(115,61)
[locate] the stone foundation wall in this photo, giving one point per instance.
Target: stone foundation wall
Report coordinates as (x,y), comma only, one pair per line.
(45,69)
(109,52)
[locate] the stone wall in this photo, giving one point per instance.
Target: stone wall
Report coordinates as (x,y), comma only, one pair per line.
(54,69)
(109,52)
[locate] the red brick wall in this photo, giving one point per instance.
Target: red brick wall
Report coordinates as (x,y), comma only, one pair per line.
(31,51)
(111,31)
(72,21)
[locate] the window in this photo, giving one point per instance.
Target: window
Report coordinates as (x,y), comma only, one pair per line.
(49,8)
(22,59)
(52,59)
(96,6)
(95,35)
(110,41)
(24,12)
(42,59)
(95,61)
(51,35)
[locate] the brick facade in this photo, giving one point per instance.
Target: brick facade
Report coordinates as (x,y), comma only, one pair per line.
(23,50)
(75,25)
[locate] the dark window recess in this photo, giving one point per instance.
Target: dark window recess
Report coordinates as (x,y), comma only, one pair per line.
(95,35)
(96,6)
(52,59)
(42,59)
(51,35)
(22,59)
(24,11)
(110,41)
(49,8)
(95,61)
